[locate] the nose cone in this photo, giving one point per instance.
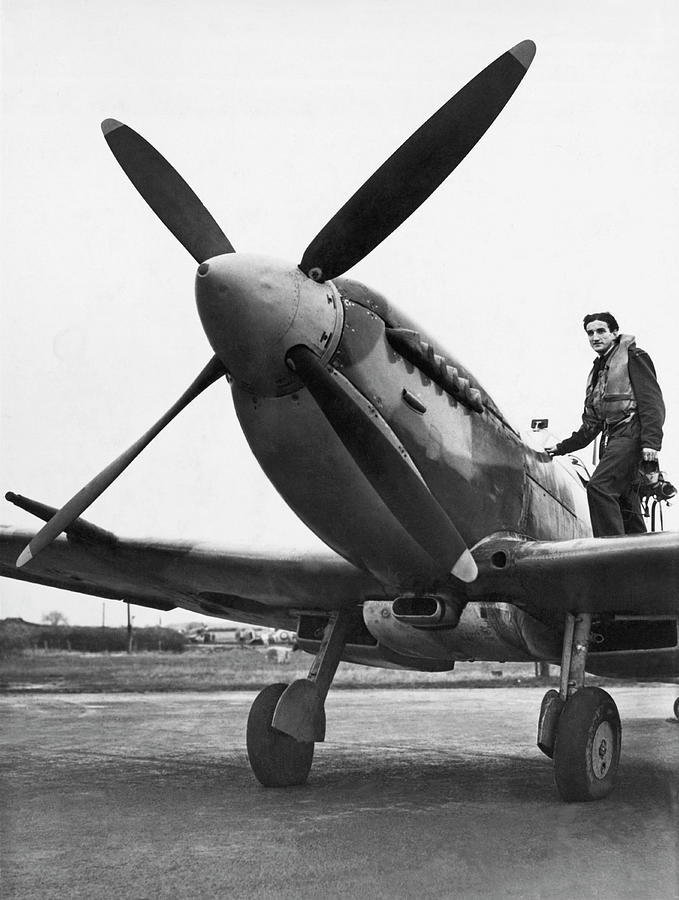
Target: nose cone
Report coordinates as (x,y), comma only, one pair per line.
(254,309)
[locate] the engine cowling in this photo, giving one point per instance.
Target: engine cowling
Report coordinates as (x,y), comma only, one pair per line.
(498,631)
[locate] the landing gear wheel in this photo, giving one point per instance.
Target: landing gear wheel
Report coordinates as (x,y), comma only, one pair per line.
(676,707)
(277,759)
(587,747)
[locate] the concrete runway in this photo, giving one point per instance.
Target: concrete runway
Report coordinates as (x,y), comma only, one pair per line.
(417,793)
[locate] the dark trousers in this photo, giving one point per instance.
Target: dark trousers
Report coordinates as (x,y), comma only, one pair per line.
(612,491)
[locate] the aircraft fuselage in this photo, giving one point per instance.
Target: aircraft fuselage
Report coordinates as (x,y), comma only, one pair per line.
(474,463)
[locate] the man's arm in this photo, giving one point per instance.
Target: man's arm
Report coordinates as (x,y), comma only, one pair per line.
(650,405)
(584,435)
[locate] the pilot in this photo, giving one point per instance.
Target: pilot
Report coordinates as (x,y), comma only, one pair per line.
(624,403)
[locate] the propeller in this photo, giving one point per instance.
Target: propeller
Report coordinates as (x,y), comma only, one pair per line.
(62,519)
(400,486)
(166,192)
(416,169)
(389,196)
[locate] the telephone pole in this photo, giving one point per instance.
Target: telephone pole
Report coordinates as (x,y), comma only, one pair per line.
(129,628)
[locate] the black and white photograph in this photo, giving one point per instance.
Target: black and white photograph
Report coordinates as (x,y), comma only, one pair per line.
(339,538)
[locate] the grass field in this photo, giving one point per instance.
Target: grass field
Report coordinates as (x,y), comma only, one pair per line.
(220,670)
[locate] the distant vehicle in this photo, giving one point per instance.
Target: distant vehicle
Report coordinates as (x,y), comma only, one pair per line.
(450,538)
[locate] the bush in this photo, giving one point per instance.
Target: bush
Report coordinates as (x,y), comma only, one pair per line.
(15,634)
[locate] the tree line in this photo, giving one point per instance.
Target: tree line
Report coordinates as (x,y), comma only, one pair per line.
(17,635)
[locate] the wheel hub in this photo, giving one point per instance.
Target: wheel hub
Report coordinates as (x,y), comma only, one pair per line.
(602,750)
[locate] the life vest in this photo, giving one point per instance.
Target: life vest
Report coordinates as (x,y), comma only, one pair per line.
(612,398)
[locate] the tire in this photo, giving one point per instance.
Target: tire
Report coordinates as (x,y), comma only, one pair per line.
(276,759)
(676,707)
(587,746)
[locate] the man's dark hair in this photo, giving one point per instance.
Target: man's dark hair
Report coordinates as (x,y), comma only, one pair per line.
(606,317)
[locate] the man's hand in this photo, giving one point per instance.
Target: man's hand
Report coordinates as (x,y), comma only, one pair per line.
(551,451)
(649,455)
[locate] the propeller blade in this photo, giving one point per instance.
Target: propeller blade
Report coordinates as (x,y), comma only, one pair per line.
(166,192)
(397,482)
(416,169)
(59,522)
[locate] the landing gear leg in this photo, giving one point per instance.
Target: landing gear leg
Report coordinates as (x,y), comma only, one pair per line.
(580,726)
(286,720)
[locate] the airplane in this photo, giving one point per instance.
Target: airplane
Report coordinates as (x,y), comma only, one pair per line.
(449,537)
(241,637)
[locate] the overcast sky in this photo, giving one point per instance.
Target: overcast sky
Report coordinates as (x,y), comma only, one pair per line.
(275,113)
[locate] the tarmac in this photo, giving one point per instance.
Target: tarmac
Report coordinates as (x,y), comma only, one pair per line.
(416,794)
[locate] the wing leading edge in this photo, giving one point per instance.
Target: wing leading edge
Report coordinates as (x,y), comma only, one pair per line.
(264,588)
(634,574)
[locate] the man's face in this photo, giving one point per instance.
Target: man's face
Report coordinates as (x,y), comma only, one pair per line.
(600,336)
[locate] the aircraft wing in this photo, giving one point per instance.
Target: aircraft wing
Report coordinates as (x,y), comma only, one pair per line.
(257,588)
(635,574)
